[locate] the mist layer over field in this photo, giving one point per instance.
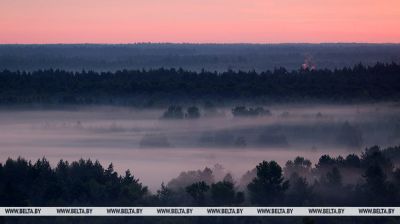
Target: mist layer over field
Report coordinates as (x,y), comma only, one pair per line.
(158,150)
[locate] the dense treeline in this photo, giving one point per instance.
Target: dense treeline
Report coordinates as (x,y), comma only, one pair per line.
(80,183)
(149,87)
(370,179)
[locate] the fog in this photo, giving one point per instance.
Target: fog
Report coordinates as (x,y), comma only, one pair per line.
(157,150)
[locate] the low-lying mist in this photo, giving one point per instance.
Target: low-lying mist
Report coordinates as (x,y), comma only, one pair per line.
(158,150)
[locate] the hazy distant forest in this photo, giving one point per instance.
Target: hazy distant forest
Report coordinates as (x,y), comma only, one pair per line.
(193,57)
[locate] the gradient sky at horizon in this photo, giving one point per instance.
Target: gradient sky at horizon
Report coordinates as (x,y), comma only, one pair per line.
(195,21)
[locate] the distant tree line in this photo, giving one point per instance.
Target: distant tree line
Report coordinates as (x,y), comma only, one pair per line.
(249,112)
(345,135)
(151,87)
(193,112)
(176,112)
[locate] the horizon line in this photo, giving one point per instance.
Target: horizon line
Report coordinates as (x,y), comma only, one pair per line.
(205,43)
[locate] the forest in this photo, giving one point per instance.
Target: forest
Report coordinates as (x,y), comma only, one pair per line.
(147,88)
(368,179)
(193,57)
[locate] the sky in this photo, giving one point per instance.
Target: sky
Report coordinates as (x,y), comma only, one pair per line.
(199,21)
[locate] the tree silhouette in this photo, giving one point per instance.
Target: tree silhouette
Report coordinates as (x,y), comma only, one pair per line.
(78,183)
(249,112)
(223,193)
(269,185)
(173,112)
(334,178)
(193,112)
(197,191)
(299,165)
(299,192)
(377,190)
(165,195)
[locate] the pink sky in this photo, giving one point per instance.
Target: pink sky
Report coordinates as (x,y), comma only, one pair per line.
(210,21)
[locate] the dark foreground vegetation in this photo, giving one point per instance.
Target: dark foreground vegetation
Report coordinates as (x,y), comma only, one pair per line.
(371,179)
(162,86)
